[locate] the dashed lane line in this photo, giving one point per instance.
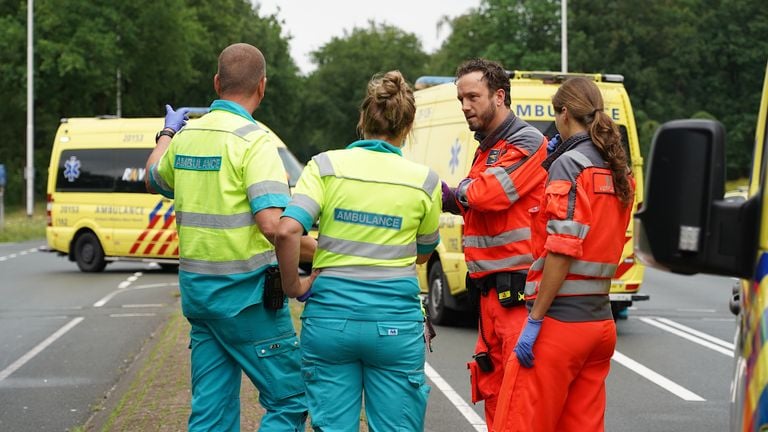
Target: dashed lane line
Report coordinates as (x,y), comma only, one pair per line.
(18,254)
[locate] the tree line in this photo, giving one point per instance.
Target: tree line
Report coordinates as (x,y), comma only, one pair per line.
(682,58)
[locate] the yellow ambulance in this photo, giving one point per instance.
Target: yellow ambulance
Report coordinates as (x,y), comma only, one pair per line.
(442,140)
(688,226)
(98,208)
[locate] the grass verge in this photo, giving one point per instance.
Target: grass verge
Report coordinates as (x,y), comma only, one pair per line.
(18,227)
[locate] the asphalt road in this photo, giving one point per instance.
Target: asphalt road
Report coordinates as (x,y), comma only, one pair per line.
(65,336)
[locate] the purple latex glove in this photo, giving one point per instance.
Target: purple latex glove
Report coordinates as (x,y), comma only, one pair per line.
(449,198)
(175,120)
(524,348)
(304,297)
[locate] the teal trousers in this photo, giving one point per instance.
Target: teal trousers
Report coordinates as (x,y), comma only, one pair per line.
(382,361)
(261,343)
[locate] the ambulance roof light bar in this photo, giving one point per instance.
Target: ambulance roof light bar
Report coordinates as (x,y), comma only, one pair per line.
(559,77)
(547,77)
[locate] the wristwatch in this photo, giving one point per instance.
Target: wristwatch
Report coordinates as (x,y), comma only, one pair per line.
(165,132)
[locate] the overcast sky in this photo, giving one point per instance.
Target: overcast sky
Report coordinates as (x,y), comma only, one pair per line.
(312,23)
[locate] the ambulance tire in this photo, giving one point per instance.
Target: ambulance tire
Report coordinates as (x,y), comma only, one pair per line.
(439,313)
(89,254)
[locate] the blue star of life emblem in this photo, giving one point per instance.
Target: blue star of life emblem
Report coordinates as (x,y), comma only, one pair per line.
(72,169)
(455,150)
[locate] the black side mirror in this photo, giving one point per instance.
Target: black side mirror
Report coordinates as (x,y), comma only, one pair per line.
(684,225)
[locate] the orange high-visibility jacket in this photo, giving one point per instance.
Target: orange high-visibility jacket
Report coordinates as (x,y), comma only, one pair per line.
(580,216)
(503,188)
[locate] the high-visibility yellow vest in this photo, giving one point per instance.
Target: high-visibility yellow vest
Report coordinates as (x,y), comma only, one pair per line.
(376,211)
(220,172)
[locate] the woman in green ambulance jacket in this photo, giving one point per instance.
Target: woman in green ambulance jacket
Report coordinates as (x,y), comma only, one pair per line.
(362,326)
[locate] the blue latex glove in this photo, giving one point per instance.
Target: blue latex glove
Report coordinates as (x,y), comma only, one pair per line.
(304,297)
(175,120)
(552,145)
(524,348)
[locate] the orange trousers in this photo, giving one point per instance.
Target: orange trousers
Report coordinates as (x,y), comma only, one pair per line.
(564,391)
(501,327)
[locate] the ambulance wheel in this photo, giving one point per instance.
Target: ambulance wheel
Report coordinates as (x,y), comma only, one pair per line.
(439,313)
(89,254)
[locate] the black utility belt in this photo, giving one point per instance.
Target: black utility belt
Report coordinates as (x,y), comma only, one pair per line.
(509,286)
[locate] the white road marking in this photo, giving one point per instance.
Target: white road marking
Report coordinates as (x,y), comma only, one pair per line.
(130,315)
(37,349)
(694,336)
(18,254)
(696,310)
(474,419)
(120,287)
(657,378)
(695,332)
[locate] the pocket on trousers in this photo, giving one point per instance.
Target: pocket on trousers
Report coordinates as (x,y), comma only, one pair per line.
(474,376)
(310,378)
(415,406)
(279,361)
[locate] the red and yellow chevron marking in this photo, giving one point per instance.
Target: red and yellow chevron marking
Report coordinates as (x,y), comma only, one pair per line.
(155,216)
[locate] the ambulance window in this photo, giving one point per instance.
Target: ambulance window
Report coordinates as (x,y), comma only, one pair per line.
(129,173)
(102,170)
(85,171)
(292,165)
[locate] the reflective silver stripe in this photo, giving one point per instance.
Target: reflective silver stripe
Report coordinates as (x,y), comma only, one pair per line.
(158,179)
(580,158)
(267,187)
(307,204)
(430,183)
(323,164)
(537,265)
(370,272)
(504,238)
(367,250)
(568,227)
(490,265)
(576,287)
(245,130)
(506,183)
(227,267)
(202,220)
(428,239)
(530,288)
(583,287)
(591,268)
(583,268)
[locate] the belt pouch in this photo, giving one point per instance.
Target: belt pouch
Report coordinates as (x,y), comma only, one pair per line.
(274,298)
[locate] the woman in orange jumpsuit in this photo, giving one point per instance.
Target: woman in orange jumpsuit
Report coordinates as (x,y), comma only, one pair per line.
(556,380)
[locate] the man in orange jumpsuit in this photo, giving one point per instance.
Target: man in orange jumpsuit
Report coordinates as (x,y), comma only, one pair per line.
(501,191)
